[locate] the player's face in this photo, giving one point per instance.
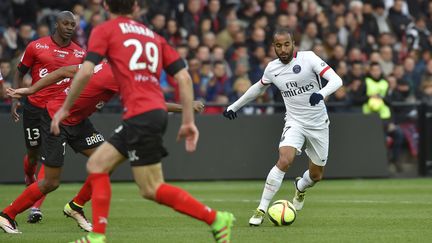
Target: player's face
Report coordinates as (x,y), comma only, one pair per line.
(66,27)
(284,47)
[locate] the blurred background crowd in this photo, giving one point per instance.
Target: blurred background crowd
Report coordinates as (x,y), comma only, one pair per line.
(380,48)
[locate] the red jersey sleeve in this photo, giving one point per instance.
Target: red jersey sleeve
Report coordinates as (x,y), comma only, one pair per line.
(27,59)
(172,63)
(98,45)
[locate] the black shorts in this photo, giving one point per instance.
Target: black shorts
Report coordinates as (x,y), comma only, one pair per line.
(31,124)
(140,138)
(80,137)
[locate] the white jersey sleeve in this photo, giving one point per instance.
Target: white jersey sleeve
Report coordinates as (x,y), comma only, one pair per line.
(324,70)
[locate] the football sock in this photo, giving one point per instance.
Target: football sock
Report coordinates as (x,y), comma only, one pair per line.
(100,196)
(30,195)
(29,168)
(41,175)
(271,187)
(183,202)
(305,182)
(84,195)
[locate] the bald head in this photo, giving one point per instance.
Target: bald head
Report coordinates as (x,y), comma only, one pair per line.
(64,27)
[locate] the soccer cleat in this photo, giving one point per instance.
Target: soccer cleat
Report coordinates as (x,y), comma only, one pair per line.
(257,218)
(299,196)
(35,216)
(91,238)
(8,225)
(75,212)
(221,228)
(29,179)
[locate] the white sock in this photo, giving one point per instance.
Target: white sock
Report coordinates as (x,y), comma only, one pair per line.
(305,182)
(272,185)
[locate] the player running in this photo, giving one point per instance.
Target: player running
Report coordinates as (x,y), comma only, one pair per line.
(41,57)
(137,56)
(76,130)
(298,77)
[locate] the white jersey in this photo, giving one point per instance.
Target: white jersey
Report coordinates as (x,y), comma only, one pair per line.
(296,81)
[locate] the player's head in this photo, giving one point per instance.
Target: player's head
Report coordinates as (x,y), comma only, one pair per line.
(283,44)
(65,25)
(121,7)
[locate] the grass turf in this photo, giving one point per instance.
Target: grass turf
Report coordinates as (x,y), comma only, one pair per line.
(381,210)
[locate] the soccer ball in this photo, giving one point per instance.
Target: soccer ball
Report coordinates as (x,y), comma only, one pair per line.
(282,212)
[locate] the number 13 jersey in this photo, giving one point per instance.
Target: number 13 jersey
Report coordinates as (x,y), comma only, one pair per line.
(137,56)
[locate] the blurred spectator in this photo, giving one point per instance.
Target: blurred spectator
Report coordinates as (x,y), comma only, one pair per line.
(398,20)
(174,35)
(226,37)
(157,24)
(341,101)
(192,16)
(310,37)
(426,90)
(213,12)
(5,70)
(386,61)
(418,36)
(6,15)
(376,90)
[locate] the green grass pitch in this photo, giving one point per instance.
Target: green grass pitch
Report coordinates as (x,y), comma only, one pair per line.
(381,210)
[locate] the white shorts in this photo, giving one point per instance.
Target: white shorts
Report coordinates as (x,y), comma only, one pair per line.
(317,142)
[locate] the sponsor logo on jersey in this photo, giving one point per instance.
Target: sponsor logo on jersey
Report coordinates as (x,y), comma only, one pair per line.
(294,90)
(41,46)
(78,53)
(65,80)
(43,72)
(60,53)
(296,69)
(100,105)
(94,139)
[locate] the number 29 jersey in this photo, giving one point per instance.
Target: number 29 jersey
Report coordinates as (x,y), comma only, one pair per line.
(137,56)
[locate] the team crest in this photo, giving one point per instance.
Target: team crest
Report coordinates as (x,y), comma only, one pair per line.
(296,69)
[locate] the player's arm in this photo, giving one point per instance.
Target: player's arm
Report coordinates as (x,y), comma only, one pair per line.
(324,70)
(57,75)
(78,83)
(251,94)
(197,106)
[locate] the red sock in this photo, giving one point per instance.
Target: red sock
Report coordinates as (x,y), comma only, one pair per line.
(40,177)
(29,168)
(30,195)
(183,202)
(100,196)
(84,194)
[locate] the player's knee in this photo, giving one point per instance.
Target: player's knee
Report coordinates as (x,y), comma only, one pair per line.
(93,166)
(48,185)
(315,176)
(284,162)
(148,193)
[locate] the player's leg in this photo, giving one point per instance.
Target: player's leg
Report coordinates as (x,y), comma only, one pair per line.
(150,181)
(35,214)
(30,195)
(101,162)
(317,150)
(291,142)
(85,139)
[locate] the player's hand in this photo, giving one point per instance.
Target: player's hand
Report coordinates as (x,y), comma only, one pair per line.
(190,133)
(230,114)
(59,116)
(16,104)
(18,93)
(198,106)
(315,98)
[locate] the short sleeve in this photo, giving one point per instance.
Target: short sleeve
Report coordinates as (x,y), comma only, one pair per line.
(27,59)
(171,60)
(266,78)
(98,41)
(318,65)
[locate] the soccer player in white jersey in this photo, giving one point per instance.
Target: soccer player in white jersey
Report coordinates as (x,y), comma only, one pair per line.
(298,77)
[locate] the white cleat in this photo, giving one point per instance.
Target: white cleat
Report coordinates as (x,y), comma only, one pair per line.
(299,196)
(78,215)
(257,218)
(8,225)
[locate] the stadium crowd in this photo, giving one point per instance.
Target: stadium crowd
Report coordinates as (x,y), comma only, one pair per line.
(381,48)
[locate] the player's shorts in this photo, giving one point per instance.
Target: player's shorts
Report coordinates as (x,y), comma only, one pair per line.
(80,137)
(316,142)
(140,138)
(31,124)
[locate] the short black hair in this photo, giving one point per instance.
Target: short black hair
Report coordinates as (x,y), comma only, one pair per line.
(282,31)
(121,6)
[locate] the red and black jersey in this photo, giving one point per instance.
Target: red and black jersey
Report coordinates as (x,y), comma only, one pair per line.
(137,56)
(100,88)
(43,56)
